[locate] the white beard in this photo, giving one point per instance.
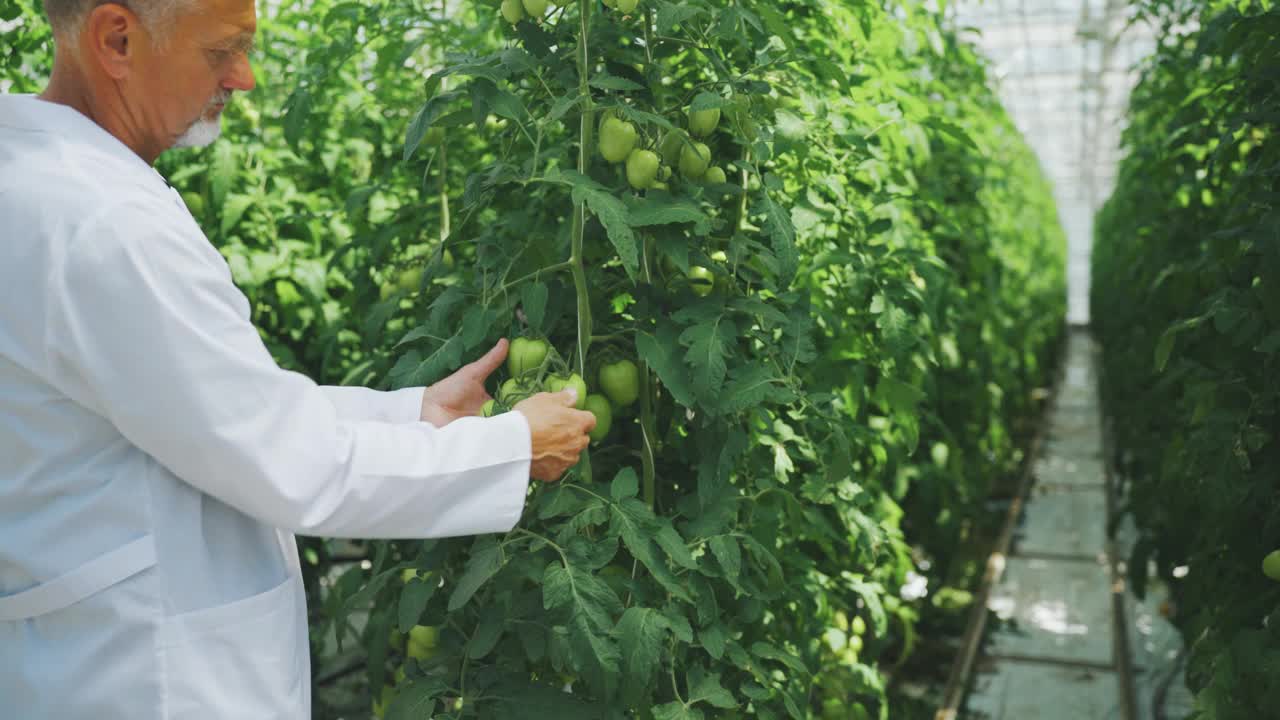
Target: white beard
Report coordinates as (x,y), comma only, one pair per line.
(201,133)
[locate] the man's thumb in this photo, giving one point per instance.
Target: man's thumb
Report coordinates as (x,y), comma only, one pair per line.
(568,396)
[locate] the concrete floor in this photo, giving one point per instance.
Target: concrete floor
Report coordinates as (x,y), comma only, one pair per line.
(1050,652)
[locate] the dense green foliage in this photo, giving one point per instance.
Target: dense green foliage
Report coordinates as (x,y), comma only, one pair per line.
(1186,303)
(815,427)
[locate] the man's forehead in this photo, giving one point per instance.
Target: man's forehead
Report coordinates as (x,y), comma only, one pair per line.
(233,16)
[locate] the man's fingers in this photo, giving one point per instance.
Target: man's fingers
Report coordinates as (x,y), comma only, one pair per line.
(568,396)
(492,359)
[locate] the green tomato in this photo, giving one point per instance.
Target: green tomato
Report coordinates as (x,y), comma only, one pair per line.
(626,7)
(423,640)
(610,3)
(575,381)
(1271,565)
(694,160)
(410,279)
(642,168)
(513,11)
(526,354)
(659,185)
(670,147)
(703,122)
(859,626)
(842,620)
(380,706)
(664,173)
(855,643)
(701,280)
(489,409)
(513,389)
(620,382)
(195,203)
(714,176)
(617,139)
(598,405)
(535,8)
(833,709)
(434,136)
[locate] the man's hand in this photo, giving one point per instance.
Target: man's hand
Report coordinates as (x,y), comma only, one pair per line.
(558,431)
(462,394)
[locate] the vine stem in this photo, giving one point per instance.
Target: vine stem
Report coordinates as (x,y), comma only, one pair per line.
(648,463)
(586,122)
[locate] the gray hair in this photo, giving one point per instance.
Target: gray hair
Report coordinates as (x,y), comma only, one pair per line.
(158,16)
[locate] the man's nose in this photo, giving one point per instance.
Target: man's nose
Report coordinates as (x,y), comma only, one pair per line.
(241,76)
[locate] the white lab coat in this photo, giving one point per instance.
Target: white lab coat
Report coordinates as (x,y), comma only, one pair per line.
(155,461)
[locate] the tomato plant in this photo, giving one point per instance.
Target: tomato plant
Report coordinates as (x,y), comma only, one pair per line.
(1186,298)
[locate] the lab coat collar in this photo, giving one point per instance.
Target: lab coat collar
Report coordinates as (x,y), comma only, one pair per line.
(28,112)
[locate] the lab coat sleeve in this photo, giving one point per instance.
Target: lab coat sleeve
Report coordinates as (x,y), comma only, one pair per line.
(361,403)
(145,321)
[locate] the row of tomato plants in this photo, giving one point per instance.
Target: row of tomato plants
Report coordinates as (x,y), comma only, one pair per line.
(809,228)
(1187,305)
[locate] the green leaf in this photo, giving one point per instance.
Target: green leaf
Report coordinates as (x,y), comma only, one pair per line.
(486,560)
(728,554)
(659,353)
(641,634)
(656,210)
(897,396)
(533,300)
(676,711)
(710,345)
(612,214)
(605,81)
(707,688)
(709,101)
(413,600)
(416,700)
(753,386)
(625,484)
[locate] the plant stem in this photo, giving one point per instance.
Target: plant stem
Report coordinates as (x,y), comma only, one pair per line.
(586,123)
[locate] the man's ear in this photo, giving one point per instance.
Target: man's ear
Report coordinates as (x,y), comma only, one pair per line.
(110,39)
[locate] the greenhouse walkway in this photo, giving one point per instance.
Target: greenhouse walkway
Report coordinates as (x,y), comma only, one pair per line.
(1065,640)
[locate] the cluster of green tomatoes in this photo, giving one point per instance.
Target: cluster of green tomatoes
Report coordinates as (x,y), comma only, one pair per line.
(647,169)
(513,11)
(535,367)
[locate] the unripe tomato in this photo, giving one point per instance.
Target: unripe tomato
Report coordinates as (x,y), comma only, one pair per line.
(423,640)
(513,389)
(714,176)
(598,405)
(526,354)
(1271,565)
(195,203)
(664,173)
(642,168)
(859,626)
(535,8)
(410,279)
(833,709)
(626,7)
(701,280)
(380,706)
(575,381)
(434,136)
(703,122)
(842,620)
(855,643)
(617,139)
(670,147)
(658,185)
(620,382)
(694,160)
(610,3)
(513,11)
(489,408)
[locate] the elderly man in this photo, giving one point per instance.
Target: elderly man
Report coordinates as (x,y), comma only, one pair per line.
(154,460)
